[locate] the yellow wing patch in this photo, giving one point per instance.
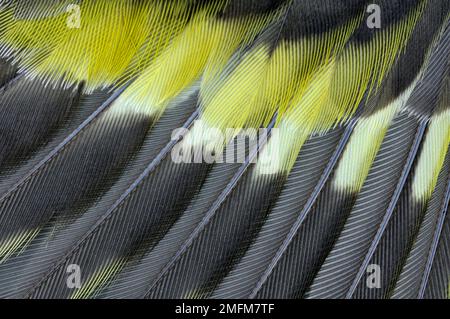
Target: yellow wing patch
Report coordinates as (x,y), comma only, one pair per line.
(360,153)
(365,143)
(432,157)
(200,51)
(111,33)
(314,84)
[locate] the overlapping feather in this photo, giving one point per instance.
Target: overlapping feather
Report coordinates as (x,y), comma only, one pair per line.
(338,97)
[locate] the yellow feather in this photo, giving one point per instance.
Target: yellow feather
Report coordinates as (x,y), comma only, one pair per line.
(361,68)
(432,157)
(111,33)
(295,126)
(365,143)
(363,146)
(201,50)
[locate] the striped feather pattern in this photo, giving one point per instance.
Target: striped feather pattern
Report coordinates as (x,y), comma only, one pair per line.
(353,120)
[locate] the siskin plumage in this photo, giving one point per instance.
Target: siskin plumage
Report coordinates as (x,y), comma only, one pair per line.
(351,168)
